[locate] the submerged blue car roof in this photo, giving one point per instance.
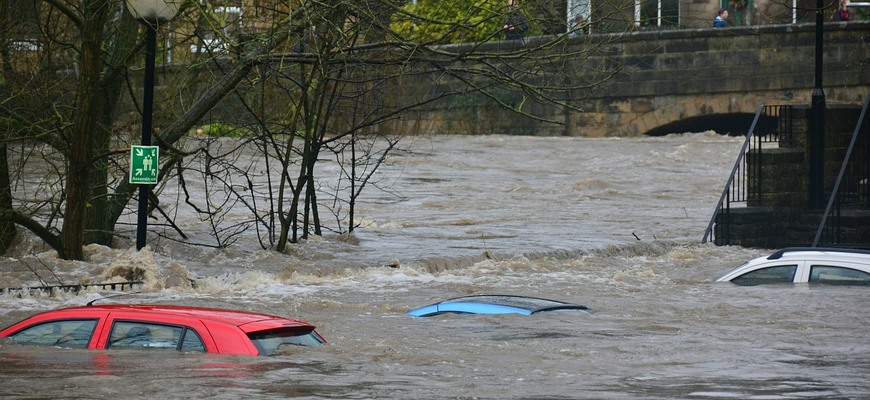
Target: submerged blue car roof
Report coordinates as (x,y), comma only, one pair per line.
(494,304)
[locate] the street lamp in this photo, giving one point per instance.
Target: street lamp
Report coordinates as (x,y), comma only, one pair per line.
(151,13)
(817,134)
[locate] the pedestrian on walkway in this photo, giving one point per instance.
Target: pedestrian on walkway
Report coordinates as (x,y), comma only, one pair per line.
(516,25)
(842,11)
(720,20)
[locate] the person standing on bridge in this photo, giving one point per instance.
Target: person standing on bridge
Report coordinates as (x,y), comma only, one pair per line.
(719,21)
(578,26)
(842,11)
(516,25)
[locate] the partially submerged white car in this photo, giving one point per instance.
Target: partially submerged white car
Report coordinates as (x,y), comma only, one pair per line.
(838,266)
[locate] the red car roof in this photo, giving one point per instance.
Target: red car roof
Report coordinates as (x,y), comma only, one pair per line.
(232,317)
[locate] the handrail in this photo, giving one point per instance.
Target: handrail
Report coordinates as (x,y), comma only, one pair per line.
(734,171)
(846,159)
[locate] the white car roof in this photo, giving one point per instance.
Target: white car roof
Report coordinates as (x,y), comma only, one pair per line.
(820,252)
(855,258)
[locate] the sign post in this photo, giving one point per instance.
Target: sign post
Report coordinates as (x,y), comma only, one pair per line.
(143,164)
(143,159)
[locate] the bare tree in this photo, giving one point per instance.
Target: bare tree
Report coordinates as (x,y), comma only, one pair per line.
(90,45)
(302,83)
(352,87)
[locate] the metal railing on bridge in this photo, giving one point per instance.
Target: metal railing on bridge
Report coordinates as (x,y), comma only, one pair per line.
(851,191)
(772,126)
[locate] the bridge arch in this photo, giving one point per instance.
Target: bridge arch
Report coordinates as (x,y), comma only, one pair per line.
(732,124)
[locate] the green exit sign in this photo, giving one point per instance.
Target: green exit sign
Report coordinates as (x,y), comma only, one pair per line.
(143,164)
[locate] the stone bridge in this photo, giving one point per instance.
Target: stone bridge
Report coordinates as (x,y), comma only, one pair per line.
(701,79)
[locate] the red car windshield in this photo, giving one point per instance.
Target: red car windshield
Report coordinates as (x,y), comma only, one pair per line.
(270,342)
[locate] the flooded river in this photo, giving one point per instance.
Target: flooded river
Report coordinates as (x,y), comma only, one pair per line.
(613,224)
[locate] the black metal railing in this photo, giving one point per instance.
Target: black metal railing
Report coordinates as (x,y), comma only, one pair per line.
(52,289)
(851,190)
(771,126)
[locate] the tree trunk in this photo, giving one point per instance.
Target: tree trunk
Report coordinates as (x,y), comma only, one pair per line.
(82,136)
(7,228)
(99,218)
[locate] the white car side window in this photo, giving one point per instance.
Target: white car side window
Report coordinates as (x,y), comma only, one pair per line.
(774,274)
(838,275)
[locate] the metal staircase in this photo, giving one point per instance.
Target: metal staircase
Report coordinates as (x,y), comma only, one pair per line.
(764,201)
(771,127)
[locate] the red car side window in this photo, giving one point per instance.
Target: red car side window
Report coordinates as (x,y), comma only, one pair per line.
(191,341)
(74,334)
(138,335)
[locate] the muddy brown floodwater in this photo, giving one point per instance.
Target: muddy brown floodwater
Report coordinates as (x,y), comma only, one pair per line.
(613,224)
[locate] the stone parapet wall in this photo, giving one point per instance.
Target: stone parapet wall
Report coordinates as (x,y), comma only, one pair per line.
(668,76)
(663,78)
(671,76)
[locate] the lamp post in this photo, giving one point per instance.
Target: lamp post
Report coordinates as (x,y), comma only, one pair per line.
(817,135)
(151,13)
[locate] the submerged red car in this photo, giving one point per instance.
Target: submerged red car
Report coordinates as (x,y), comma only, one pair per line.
(186,329)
